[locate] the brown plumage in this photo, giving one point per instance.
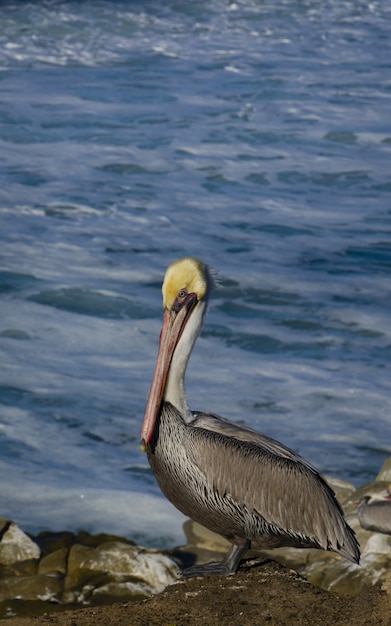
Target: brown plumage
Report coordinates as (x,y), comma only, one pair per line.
(235,481)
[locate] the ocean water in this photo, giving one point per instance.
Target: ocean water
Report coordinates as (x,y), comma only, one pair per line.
(253,134)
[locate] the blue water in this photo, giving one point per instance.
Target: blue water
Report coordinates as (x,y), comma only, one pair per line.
(255,135)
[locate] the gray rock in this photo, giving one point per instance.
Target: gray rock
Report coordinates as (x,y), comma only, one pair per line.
(30,588)
(54,563)
(15,545)
(116,568)
(385,472)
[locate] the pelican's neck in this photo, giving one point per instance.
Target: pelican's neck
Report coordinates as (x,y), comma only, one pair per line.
(175,386)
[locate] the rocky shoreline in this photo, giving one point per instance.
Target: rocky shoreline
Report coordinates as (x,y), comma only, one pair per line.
(42,577)
(259,594)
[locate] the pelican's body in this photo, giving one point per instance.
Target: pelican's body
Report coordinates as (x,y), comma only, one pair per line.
(249,488)
(374,512)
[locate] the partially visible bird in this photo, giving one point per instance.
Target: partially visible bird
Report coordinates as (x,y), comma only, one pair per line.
(374,511)
(251,489)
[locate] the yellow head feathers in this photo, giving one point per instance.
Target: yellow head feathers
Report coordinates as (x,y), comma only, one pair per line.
(188,273)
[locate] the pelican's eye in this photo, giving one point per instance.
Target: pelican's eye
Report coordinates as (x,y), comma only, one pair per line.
(180,300)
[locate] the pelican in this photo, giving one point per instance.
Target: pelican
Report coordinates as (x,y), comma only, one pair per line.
(241,484)
(374,511)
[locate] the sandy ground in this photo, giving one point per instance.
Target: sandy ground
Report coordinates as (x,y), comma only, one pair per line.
(260,593)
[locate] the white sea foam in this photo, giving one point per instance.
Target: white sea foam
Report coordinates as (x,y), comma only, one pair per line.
(143,517)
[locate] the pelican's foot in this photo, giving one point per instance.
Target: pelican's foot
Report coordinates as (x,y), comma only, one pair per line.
(214,568)
(228,565)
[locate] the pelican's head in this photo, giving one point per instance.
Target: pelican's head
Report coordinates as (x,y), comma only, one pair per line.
(379,496)
(186,275)
(186,288)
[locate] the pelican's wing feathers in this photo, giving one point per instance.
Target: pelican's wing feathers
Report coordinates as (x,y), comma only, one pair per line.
(262,475)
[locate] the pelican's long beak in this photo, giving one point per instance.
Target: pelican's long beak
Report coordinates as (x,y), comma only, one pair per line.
(174,322)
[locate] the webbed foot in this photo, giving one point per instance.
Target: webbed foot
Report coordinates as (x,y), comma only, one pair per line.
(214,568)
(228,565)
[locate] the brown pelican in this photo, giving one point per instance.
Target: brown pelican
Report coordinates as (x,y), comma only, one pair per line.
(249,488)
(374,511)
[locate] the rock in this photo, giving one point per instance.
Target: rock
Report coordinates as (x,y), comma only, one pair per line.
(386,585)
(343,489)
(385,472)
(116,568)
(121,592)
(201,537)
(50,542)
(82,568)
(262,593)
(54,563)
(15,545)
(30,588)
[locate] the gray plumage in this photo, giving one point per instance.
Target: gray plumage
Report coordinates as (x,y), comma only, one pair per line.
(374,514)
(248,488)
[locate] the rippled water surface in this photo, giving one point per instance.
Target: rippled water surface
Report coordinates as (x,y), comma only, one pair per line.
(255,135)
